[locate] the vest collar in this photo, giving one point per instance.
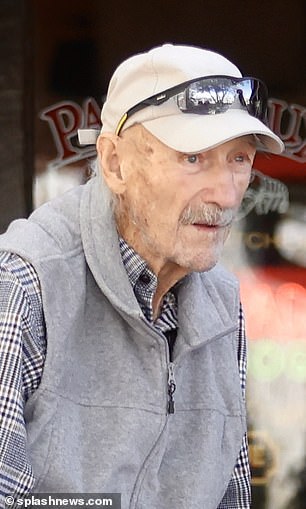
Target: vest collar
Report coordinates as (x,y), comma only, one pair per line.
(207,302)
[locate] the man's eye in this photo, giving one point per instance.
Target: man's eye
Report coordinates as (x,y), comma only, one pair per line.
(192,158)
(240,158)
(244,158)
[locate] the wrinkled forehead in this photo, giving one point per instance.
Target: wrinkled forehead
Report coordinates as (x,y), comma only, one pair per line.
(137,146)
(137,137)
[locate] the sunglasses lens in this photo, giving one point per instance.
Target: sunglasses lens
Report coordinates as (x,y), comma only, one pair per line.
(211,96)
(254,95)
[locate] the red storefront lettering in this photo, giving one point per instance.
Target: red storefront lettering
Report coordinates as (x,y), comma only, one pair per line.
(287,121)
(64,119)
(92,114)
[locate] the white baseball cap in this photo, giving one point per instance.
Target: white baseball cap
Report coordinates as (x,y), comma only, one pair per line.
(189,130)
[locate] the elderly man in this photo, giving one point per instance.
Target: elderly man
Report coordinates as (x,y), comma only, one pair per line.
(122,340)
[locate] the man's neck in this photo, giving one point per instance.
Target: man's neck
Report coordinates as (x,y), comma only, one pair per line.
(167,273)
(167,276)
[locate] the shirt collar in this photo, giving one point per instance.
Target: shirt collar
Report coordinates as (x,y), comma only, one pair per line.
(135,266)
(144,284)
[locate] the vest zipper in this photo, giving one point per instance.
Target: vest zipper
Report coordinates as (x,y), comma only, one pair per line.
(171,387)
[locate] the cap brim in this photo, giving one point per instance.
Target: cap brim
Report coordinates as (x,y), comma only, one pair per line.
(192,133)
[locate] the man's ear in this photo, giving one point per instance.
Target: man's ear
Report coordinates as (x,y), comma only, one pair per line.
(109,162)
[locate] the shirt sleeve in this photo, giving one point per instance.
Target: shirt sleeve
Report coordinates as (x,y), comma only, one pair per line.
(22,353)
(238,493)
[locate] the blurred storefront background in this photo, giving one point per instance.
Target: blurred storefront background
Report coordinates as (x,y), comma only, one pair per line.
(53,77)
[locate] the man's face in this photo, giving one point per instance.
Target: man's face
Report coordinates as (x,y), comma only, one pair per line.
(176,208)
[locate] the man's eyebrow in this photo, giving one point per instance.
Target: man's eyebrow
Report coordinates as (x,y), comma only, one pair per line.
(252,144)
(248,140)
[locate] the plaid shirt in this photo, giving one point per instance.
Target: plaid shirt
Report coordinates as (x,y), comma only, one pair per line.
(22,354)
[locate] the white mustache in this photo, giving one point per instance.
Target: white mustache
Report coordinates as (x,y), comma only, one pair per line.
(209,214)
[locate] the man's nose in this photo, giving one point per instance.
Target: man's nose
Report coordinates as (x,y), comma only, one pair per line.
(226,187)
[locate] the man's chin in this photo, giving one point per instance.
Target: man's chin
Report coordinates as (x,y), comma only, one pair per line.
(207,266)
(200,264)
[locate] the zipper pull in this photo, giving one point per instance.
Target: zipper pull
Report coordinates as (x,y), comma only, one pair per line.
(171,388)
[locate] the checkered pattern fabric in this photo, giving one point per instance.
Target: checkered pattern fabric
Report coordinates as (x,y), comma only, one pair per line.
(144,284)
(22,351)
(22,354)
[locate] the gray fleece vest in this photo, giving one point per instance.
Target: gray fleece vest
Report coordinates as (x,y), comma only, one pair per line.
(99,421)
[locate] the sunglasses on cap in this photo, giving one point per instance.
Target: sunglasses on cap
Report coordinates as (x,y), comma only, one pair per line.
(210,96)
